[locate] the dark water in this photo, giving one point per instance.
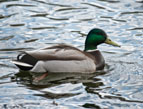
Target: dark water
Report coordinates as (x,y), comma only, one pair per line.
(33,24)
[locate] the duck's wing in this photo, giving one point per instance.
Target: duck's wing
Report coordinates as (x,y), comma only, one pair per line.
(59,52)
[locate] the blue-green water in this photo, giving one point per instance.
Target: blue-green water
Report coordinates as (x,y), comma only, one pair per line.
(33,24)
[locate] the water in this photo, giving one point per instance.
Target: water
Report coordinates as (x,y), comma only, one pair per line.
(33,24)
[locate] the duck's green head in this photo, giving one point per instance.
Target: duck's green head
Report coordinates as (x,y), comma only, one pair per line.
(95,37)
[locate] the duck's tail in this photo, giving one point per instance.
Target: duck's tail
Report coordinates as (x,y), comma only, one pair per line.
(25,61)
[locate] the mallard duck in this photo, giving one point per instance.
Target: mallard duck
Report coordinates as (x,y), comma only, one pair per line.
(66,58)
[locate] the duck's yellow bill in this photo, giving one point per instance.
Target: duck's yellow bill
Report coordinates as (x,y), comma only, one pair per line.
(110,42)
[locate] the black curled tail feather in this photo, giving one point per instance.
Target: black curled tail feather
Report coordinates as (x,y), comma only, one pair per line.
(26,58)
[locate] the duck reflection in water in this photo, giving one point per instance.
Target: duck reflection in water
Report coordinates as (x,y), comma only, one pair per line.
(55,79)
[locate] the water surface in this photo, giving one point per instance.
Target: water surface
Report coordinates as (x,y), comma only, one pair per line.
(33,24)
